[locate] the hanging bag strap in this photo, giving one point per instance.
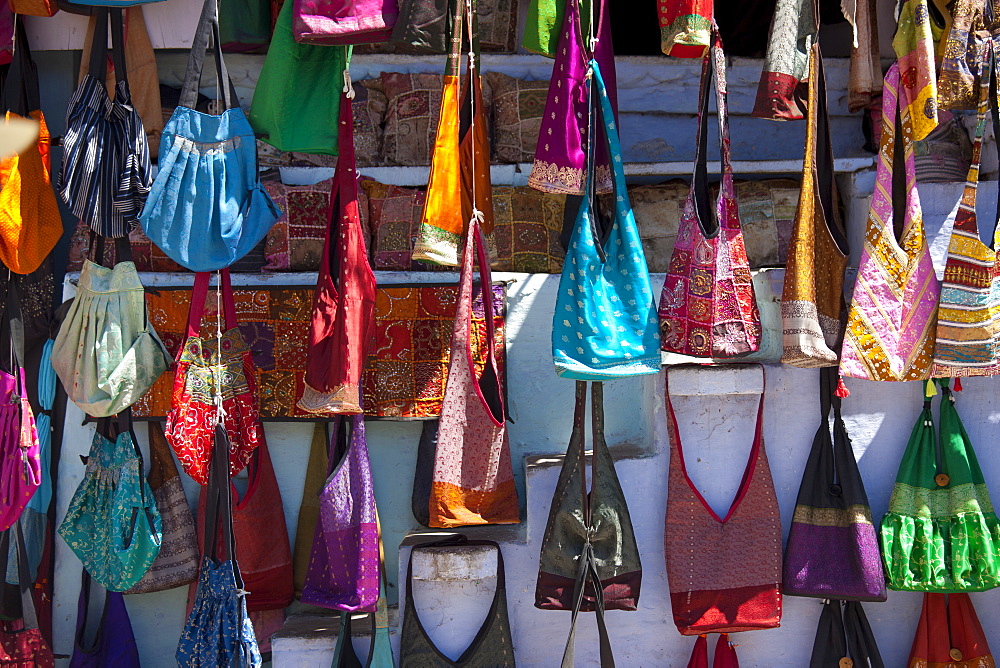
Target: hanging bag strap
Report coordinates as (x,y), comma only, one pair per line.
(218,506)
(20,91)
(713,69)
(822,157)
(861,645)
(207,30)
(97,251)
(98,66)
(587,563)
(29,617)
(198,295)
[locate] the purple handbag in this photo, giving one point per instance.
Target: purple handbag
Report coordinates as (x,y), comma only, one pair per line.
(832,549)
(332,22)
(561,156)
(344,568)
(113,641)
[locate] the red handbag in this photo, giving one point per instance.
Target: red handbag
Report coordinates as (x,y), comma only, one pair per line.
(201,377)
(949,633)
(21,642)
(262,546)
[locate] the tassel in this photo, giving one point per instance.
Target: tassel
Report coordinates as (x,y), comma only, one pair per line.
(930,390)
(842,390)
(958,384)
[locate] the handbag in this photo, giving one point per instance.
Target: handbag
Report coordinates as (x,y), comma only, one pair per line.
(459,183)
(34,7)
(262,538)
(913,42)
(30,223)
(562,162)
(604,325)
(813,309)
(707,306)
(177,562)
(209,372)
(890,325)
(473,480)
(20,461)
(425,26)
(298,76)
(423,474)
(107,133)
(113,642)
(107,353)
(21,643)
(844,634)
(379,652)
(343,315)
(112,523)
(949,634)
(344,570)
(832,549)
(940,532)
(967,343)
(218,630)
(344,21)
(589,559)
(207,208)
(959,78)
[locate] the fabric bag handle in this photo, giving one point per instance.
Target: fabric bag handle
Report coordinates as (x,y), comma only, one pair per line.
(820,155)
(200,292)
(96,250)
(598,94)
(713,67)
(861,645)
(20,91)
(98,66)
(15,323)
(587,563)
(219,505)
(456,540)
(208,26)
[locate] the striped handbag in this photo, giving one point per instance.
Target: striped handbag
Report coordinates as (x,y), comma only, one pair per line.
(105,174)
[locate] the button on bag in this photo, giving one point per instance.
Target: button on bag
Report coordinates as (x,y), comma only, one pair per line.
(207,208)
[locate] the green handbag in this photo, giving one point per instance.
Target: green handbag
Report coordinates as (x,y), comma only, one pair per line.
(297,99)
(941,533)
(112,523)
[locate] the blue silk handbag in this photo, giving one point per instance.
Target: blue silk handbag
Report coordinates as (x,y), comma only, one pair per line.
(207,208)
(605,324)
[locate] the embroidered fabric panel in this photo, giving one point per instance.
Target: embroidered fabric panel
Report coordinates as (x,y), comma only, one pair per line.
(405,374)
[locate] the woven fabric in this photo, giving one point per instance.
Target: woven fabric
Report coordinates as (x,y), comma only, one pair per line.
(343,21)
(527,225)
(406,369)
(964,52)
(917,88)
(473,479)
(393,215)
(707,306)
(890,327)
(413,104)
(560,157)
(724,573)
(968,325)
(295,242)
(864,82)
(813,309)
(517,116)
(940,537)
(541,26)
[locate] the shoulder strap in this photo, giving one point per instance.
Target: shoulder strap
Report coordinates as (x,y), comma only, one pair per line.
(20,91)
(218,505)
(712,70)
(208,27)
(822,151)
(98,67)
(861,645)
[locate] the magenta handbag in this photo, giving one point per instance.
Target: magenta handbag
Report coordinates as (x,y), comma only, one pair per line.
(20,457)
(334,22)
(344,567)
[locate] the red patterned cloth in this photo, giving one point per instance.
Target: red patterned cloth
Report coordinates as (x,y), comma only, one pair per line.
(190,427)
(407,364)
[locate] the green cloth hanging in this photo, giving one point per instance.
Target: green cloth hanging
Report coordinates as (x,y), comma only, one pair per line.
(941,533)
(541,28)
(297,100)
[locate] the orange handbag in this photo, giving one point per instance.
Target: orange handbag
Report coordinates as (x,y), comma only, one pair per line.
(34,7)
(30,225)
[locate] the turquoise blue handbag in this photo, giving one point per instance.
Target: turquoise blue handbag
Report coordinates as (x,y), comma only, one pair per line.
(207,208)
(605,324)
(112,523)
